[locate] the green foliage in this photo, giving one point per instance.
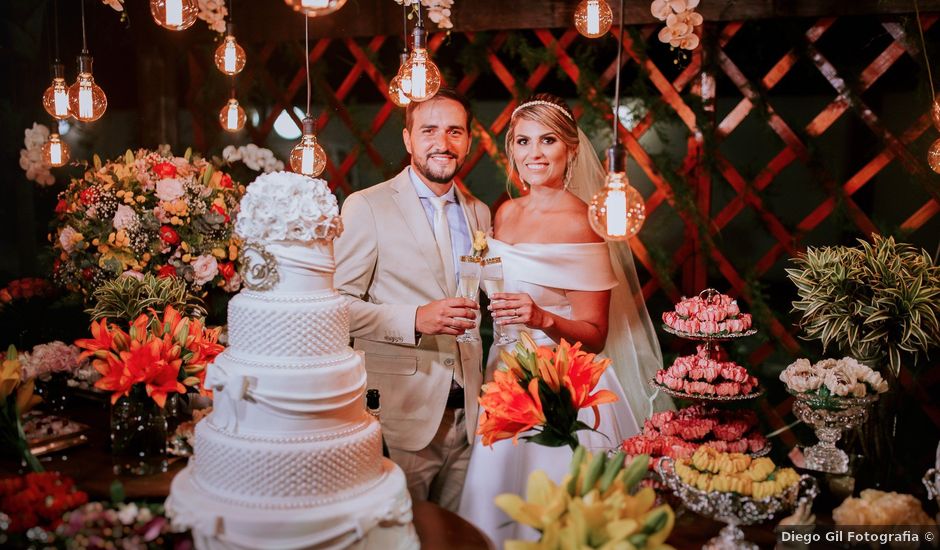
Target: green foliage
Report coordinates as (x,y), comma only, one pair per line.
(126,298)
(878,301)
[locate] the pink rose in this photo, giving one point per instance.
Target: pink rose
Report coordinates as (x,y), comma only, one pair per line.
(124,217)
(205,268)
(169,189)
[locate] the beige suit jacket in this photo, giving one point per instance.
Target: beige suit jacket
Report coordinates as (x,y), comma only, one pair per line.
(387,264)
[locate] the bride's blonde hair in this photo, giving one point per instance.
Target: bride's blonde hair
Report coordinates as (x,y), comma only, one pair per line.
(552,111)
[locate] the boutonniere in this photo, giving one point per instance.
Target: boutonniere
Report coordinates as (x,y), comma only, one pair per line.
(479,243)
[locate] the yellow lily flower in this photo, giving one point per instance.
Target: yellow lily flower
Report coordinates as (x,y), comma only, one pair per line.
(10,374)
(25,398)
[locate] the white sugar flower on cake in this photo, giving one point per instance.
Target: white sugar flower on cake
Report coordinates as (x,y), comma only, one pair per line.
(284,206)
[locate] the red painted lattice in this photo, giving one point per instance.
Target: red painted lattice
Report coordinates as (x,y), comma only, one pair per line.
(698,255)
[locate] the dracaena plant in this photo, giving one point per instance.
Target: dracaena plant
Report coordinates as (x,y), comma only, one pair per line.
(879,301)
(126,298)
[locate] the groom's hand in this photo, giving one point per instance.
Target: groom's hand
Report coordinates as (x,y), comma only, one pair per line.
(451,316)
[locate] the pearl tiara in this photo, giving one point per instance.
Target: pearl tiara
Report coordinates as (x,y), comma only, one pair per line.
(541,102)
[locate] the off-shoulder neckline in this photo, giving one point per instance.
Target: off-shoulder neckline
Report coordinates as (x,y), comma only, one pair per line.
(545,244)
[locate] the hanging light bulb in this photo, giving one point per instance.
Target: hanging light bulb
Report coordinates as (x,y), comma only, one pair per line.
(176,15)
(617,212)
(56,98)
(933,156)
(423,74)
(229,56)
(55,152)
(232,116)
(307,157)
(400,86)
(315,8)
(87,101)
(593,18)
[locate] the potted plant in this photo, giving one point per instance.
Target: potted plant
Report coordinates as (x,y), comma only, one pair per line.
(878,302)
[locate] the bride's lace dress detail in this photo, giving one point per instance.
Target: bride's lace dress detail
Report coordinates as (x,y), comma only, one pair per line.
(546,272)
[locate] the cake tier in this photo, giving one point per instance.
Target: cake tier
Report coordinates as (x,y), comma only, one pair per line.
(288,324)
(377,518)
(286,472)
(296,395)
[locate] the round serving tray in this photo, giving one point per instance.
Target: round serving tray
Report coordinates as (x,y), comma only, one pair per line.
(702,397)
(709,337)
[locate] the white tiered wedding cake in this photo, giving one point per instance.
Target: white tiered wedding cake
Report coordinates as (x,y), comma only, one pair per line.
(289,458)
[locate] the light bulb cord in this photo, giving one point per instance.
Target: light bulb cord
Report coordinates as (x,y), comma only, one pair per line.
(404,23)
(55,22)
(923,44)
(420,19)
(231,11)
(84,38)
(307,58)
(617,81)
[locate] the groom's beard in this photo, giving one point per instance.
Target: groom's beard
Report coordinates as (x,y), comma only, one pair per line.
(435,173)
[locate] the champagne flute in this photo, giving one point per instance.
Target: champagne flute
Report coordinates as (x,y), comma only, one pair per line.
(492,284)
(469,287)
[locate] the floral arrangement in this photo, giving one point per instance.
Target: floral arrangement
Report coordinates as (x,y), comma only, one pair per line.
(874,507)
(678,434)
(124,525)
(829,378)
(284,206)
(47,359)
(160,354)
(681,19)
(16,398)
(879,301)
(36,500)
(711,471)
(596,506)
(31,157)
(25,289)
(147,213)
(255,158)
(542,389)
(438,11)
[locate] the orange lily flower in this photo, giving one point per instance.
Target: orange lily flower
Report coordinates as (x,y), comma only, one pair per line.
(509,408)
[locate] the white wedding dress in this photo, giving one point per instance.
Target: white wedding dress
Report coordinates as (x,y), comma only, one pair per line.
(545,272)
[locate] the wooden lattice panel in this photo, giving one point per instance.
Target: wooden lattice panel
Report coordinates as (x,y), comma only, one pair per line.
(688,93)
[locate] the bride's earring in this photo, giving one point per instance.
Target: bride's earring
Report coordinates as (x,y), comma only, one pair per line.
(567,179)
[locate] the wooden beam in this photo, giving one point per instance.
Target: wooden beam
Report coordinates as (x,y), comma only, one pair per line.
(275,21)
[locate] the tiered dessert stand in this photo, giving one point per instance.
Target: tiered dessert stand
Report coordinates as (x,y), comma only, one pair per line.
(732,509)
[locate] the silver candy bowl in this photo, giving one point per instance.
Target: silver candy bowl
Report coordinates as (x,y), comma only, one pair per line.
(733,508)
(830,416)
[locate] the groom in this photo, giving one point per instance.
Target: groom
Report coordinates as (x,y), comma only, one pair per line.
(397,262)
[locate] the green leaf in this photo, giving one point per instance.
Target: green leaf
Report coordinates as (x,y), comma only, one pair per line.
(117,492)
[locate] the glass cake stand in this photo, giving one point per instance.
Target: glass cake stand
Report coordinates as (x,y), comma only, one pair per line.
(733,508)
(829,417)
(758,392)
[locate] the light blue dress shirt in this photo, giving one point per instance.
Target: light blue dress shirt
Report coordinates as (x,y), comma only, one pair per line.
(460,239)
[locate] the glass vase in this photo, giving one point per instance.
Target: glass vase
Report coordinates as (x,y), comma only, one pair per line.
(138,435)
(829,418)
(54,390)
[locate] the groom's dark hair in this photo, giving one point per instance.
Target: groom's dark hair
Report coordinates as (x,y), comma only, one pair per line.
(443,93)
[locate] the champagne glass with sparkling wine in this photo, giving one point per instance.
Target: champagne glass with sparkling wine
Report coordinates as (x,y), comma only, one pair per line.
(492,284)
(469,287)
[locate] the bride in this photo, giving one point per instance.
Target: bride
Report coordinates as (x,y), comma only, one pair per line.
(562,281)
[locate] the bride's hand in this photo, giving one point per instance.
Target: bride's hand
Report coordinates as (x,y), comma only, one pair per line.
(517,309)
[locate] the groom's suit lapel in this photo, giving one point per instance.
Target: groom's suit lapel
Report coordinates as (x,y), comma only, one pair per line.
(417,221)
